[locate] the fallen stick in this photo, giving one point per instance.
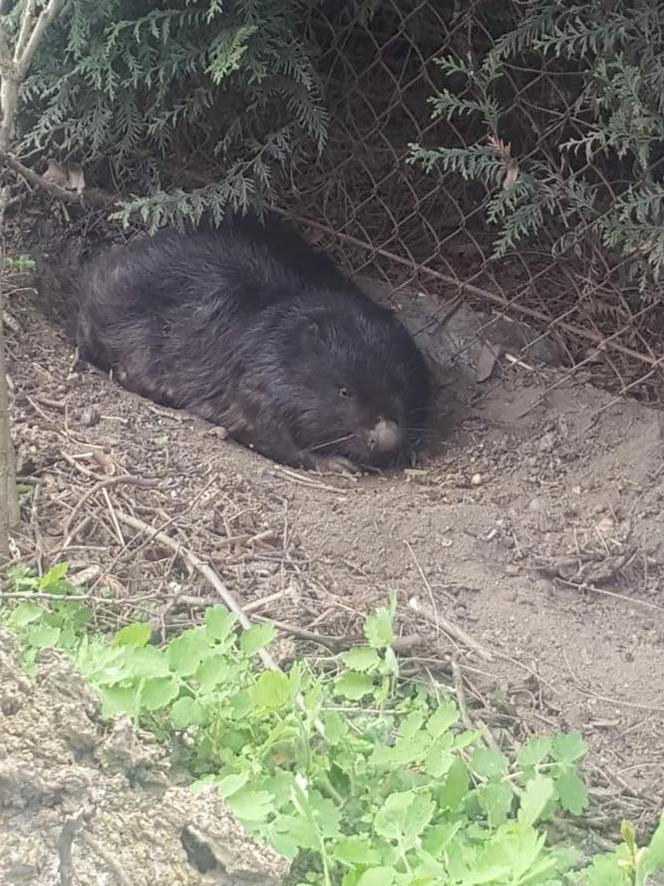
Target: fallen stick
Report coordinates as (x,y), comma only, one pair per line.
(451,629)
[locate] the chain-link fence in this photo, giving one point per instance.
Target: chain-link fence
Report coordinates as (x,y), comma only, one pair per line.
(429,229)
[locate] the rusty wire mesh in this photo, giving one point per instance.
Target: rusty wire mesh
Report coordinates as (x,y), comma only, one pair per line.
(429,230)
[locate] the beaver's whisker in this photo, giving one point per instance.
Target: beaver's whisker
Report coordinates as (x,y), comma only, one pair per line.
(330,442)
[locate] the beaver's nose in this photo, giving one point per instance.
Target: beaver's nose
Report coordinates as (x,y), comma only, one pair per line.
(386,436)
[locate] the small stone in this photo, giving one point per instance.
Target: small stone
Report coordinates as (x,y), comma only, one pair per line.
(537,505)
(547,442)
(576,490)
(476,480)
(90,416)
(605,525)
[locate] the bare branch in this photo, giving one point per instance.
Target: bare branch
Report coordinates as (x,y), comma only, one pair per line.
(93,196)
(36,179)
(6,62)
(44,20)
(27,18)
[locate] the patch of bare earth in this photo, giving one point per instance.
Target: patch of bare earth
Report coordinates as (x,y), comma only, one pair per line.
(526,548)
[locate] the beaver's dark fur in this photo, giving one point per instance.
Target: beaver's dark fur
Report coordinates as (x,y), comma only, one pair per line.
(250,328)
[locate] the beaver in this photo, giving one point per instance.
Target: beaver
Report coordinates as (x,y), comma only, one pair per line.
(246,325)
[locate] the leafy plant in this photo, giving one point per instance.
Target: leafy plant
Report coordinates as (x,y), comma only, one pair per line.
(628,865)
(135,93)
(58,622)
(354,776)
(19,264)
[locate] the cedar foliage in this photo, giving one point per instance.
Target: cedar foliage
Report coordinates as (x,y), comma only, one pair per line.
(131,89)
(572,96)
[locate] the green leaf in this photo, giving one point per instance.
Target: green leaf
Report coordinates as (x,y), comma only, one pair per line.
(78,614)
(381,876)
(391,662)
(496,799)
(251,806)
(336,728)
(439,837)
(443,718)
(403,752)
(652,857)
(297,676)
(242,703)
(390,820)
(403,816)
(219,623)
(604,870)
(54,575)
(159,692)
(256,638)
(420,813)
(353,685)
(272,690)
(298,831)
(133,635)
(489,763)
(572,792)
(568,748)
(118,700)
(327,816)
(42,636)
(534,752)
(213,670)
(465,739)
(25,613)
(186,652)
(362,658)
(455,787)
(411,725)
(146,662)
(102,664)
(230,784)
(378,629)
(535,798)
(438,761)
(628,833)
(278,834)
(187,712)
(355,851)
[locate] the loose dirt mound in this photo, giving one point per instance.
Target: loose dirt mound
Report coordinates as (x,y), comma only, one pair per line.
(539,537)
(80,804)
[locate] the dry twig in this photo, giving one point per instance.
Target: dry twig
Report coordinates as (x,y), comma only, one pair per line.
(208,573)
(451,629)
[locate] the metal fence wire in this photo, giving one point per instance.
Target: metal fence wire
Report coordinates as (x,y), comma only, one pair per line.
(428,229)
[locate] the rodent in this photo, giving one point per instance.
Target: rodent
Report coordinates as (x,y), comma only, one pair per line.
(249,327)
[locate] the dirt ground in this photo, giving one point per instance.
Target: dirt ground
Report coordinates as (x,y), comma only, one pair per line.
(526,546)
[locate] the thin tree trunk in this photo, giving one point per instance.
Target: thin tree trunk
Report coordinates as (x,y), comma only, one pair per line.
(9,506)
(34,20)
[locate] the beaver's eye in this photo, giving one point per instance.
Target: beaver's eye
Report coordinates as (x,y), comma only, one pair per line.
(343,392)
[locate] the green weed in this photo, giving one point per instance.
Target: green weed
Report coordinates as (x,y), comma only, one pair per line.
(358,779)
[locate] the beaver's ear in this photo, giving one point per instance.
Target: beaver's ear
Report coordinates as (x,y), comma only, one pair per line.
(313,331)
